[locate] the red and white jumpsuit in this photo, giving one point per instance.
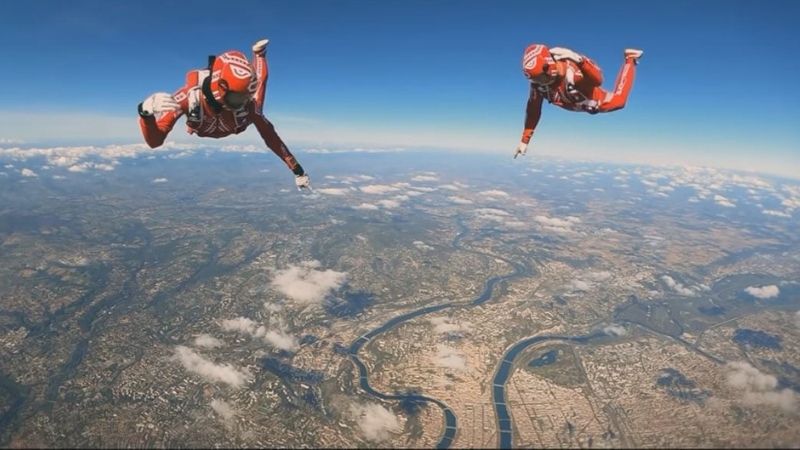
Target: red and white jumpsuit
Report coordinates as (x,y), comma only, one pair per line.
(577,88)
(206,120)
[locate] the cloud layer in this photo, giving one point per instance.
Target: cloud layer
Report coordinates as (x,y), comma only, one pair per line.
(221,373)
(305,284)
(277,337)
(375,421)
(763,292)
(449,357)
(759,388)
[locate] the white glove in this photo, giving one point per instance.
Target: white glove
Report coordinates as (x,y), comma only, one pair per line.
(158,103)
(560,53)
(302,181)
(521,149)
(260,47)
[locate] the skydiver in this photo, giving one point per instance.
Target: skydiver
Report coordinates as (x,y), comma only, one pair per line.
(221,100)
(572,82)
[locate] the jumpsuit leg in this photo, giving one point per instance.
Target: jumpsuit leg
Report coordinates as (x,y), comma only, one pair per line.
(616,100)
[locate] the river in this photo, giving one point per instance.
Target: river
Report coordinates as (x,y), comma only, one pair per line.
(450,419)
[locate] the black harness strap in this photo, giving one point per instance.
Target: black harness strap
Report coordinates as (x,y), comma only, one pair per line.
(212,102)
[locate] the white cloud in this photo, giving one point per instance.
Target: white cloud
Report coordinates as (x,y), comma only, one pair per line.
(772,212)
(587,281)
(460,200)
(334,191)
(307,285)
(491,212)
(160,180)
(763,292)
(282,340)
(82,167)
(353,150)
(554,224)
(615,330)
(244,149)
(366,206)
(206,340)
(222,373)
(422,246)
(494,193)
(578,285)
(797,319)
(649,183)
(444,325)
(599,276)
(245,326)
(389,204)
(678,287)
(10,141)
(449,187)
(515,224)
(225,411)
(422,178)
(273,307)
(29,173)
(351,179)
(74,156)
(497,215)
(745,376)
(378,189)
(759,388)
(375,421)
(448,357)
(277,338)
(723,201)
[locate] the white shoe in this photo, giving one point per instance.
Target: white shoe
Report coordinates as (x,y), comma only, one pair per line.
(261,46)
(633,54)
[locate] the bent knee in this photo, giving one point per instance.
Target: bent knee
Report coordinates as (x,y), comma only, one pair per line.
(154,143)
(612,106)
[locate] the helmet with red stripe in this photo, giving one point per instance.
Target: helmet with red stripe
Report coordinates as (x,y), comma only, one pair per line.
(233,80)
(538,65)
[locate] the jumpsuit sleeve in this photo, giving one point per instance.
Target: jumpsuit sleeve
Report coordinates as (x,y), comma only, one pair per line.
(155,128)
(533,112)
(273,140)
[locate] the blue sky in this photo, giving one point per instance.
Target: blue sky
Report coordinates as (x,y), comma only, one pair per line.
(436,73)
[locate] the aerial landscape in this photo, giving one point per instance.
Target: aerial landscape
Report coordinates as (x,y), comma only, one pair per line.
(399,224)
(576,304)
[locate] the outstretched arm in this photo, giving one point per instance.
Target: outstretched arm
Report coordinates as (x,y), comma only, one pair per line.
(533,112)
(274,142)
(158,115)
